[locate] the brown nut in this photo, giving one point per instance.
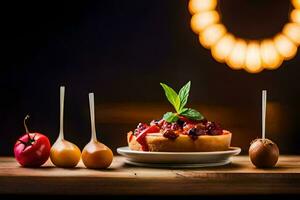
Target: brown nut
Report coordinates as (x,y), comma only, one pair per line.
(263,153)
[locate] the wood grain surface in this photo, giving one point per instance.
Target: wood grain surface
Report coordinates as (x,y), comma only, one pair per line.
(239,177)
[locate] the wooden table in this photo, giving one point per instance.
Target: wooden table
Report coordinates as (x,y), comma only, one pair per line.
(239,177)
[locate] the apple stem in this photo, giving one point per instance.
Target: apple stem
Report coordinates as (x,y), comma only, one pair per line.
(92,113)
(24,122)
(62,99)
(264,108)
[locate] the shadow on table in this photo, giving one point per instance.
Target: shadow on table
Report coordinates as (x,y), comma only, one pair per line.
(229,166)
(149,197)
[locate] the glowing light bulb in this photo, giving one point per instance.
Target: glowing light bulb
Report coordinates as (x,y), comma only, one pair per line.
(196,6)
(223,47)
(285,47)
(295,16)
(236,58)
(269,55)
(211,35)
(296,3)
(237,53)
(253,60)
(292,31)
(201,20)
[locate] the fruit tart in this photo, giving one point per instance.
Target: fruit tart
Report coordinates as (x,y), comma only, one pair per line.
(185,130)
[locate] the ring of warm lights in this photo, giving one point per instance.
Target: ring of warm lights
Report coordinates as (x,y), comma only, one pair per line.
(238,53)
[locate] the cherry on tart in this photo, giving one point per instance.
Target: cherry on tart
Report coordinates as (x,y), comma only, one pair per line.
(64,153)
(184,130)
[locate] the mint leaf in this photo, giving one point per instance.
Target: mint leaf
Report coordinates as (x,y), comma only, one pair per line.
(170,117)
(184,95)
(171,96)
(183,110)
(179,101)
(192,114)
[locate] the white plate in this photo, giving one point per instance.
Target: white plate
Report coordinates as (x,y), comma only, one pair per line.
(177,165)
(178,159)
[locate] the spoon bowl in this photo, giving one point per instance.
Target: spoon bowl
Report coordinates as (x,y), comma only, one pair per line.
(96,155)
(65,154)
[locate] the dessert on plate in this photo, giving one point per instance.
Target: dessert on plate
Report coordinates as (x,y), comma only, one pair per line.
(185,130)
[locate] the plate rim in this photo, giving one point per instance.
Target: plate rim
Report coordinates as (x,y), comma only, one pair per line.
(178,165)
(126,150)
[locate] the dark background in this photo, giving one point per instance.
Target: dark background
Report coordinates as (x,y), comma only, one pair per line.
(121,50)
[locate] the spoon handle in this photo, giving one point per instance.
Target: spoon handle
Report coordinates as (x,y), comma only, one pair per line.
(264,108)
(62,99)
(92,113)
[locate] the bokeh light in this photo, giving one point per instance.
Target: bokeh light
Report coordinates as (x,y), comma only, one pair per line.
(253,62)
(211,35)
(269,55)
(292,31)
(253,56)
(201,20)
(285,47)
(223,47)
(295,16)
(296,3)
(236,58)
(196,6)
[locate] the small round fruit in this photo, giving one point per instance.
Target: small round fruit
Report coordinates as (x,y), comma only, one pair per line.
(263,153)
(65,154)
(96,155)
(32,150)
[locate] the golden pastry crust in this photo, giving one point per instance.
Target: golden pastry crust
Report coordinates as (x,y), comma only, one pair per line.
(183,143)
